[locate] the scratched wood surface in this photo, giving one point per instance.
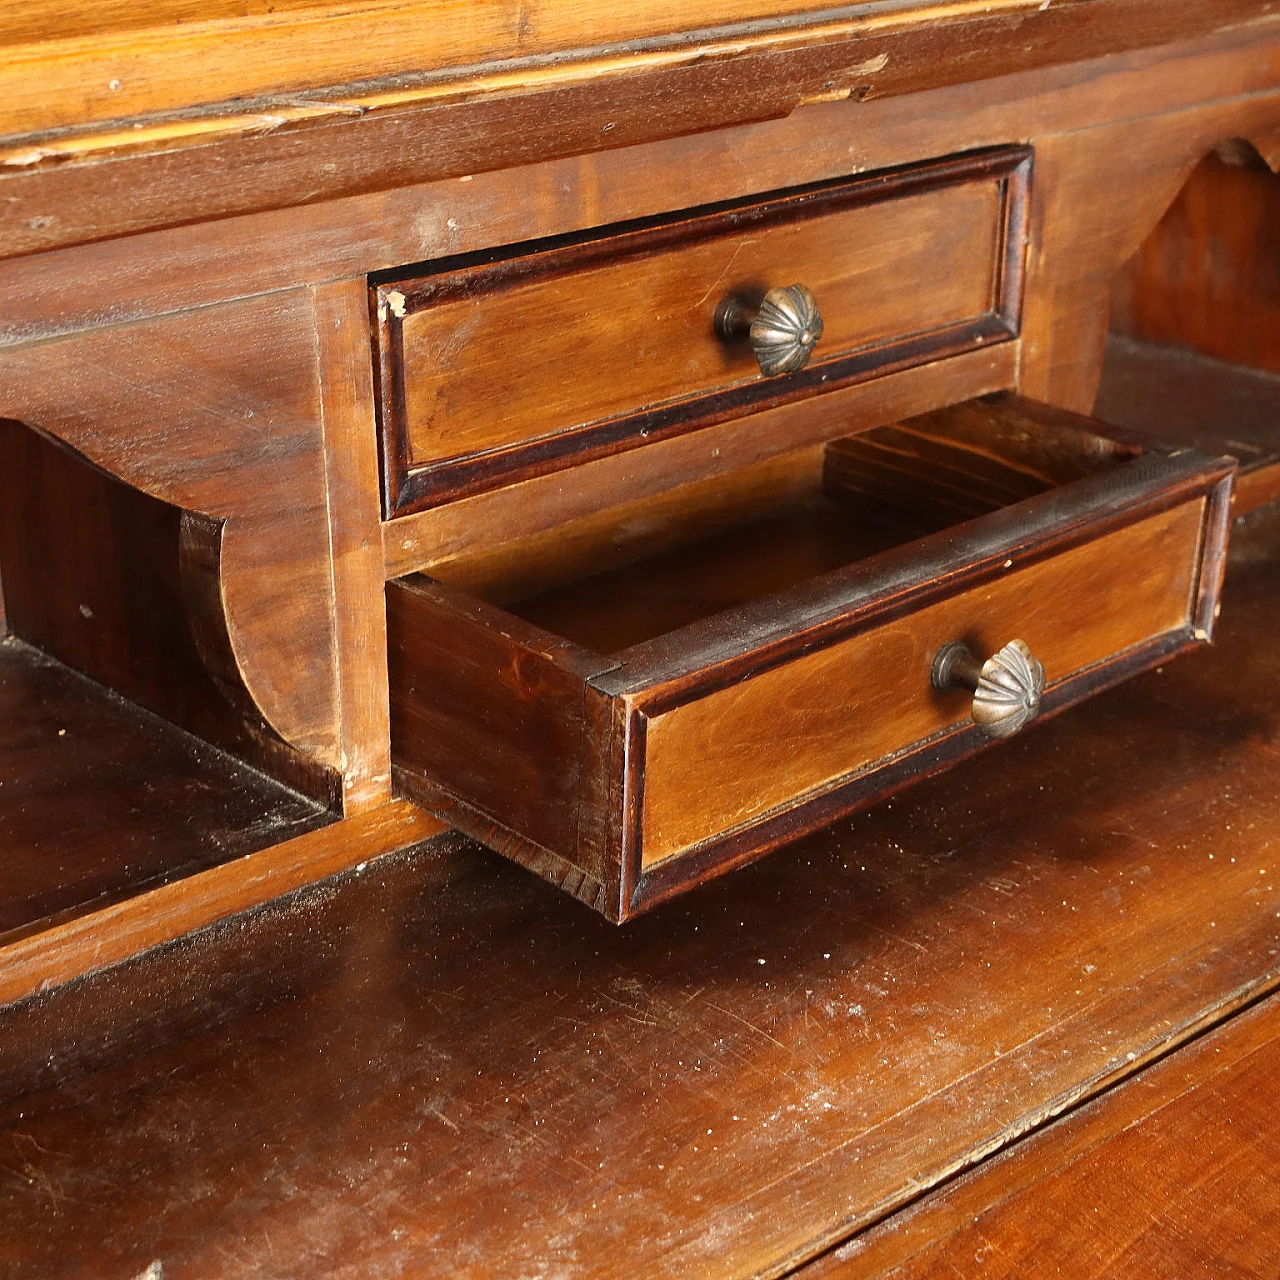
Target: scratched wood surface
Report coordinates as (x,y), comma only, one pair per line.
(99,799)
(441,1065)
(113,61)
(1174,1173)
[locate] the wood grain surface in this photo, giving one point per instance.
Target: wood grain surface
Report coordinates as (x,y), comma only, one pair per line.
(1121,1188)
(121,61)
(1227,88)
(725,759)
(100,800)
(1182,397)
(345,377)
(476,369)
(217,411)
(1206,277)
(291,147)
(442,1065)
(451,540)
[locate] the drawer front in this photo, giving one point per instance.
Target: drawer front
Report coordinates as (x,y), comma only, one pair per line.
(497,371)
(630,775)
(731,756)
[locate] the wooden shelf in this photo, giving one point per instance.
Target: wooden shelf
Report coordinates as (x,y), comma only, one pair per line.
(1183,397)
(100,800)
(440,1065)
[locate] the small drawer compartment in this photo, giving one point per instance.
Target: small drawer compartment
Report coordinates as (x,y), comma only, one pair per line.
(630,709)
(509,364)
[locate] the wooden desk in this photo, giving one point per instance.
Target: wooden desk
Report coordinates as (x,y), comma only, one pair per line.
(432,1063)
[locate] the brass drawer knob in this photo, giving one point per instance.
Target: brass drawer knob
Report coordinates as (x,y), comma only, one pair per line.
(782,331)
(1006,689)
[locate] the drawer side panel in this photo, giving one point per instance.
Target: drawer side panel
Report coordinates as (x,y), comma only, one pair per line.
(486,720)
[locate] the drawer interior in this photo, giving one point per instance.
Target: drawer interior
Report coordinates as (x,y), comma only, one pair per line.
(627,577)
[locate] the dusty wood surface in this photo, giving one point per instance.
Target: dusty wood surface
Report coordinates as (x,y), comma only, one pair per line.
(99,799)
(1174,1173)
(443,1065)
(110,930)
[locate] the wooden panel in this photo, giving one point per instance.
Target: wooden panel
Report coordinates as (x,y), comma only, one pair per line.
(113,931)
(125,588)
(1098,196)
(134,64)
(474,361)
(217,411)
(1173,1172)
(1208,277)
(733,755)
(618,535)
(355,544)
(491,712)
(542,505)
(270,153)
(444,1067)
(1182,397)
(48,293)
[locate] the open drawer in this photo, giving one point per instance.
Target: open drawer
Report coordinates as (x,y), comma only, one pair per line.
(642,705)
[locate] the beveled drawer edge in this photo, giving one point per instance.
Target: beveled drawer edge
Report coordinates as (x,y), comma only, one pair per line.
(408,489)
(660,674)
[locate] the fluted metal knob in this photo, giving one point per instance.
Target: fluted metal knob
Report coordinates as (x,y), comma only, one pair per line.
(782,331)
(1006,689)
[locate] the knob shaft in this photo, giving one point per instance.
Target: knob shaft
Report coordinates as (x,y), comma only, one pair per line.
(782,331)
(1007,689)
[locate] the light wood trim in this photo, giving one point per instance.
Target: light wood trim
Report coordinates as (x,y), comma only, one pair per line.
(349,423)
(734,755)
(116,932)
(57,72)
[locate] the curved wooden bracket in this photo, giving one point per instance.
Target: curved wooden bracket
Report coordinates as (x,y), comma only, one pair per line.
(217,412)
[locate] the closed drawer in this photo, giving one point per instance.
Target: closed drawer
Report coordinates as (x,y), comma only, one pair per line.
(629,731)
(494,370)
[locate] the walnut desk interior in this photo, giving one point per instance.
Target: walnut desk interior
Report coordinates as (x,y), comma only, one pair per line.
(639,445)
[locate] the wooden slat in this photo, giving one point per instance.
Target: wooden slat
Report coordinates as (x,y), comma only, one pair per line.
(118,62)
(1173,1173)
(345,378)
(470,209)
